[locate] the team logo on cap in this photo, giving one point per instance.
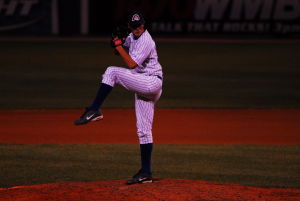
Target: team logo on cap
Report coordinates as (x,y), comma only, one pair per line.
(135,17)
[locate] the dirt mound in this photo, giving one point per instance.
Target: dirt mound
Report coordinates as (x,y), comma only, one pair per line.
(163,189)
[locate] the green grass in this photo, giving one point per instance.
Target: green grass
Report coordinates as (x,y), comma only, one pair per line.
(267,166)
(62,75)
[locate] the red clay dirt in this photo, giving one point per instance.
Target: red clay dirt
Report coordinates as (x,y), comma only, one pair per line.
(171,126)
(165,189)
(180,126)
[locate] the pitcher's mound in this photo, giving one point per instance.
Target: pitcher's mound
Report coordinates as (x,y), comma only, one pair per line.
(163,189)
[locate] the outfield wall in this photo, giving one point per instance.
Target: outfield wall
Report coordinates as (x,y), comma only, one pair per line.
(232,18)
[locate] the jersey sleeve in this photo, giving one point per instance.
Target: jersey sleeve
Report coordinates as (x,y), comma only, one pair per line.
(127,42)
(140,53)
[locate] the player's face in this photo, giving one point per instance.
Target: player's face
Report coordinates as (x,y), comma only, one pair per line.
(137,32)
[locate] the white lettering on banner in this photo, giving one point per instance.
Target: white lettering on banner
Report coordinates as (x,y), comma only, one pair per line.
(286,28)
(202,27)
(251,9)
(27,5)
(9,8)
(246,27)
(247,9)
(287,10)
(166,27)
(18,14)
(216,8)
(227,27)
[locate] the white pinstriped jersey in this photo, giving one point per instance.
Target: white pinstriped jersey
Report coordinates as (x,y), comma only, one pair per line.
(143,80)
(143,52)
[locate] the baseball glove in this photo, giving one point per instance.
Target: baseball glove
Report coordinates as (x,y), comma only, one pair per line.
(119,36)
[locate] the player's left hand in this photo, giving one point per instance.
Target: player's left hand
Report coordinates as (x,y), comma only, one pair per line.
(115,42)
(119,33)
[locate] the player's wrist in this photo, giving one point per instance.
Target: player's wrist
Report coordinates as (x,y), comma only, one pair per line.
(119,47)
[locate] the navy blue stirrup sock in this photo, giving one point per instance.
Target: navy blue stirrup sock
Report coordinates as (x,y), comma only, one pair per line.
(102,93)
(146,151)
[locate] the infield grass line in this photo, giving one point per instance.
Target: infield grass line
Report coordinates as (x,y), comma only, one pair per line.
(255,165)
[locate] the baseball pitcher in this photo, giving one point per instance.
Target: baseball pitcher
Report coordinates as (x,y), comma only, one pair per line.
(143,76)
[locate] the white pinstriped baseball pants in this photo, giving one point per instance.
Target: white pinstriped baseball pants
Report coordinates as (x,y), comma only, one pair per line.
(147,91)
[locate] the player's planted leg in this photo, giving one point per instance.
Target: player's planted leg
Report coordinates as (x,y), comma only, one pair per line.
(144,175)
(146,152)
(93,112)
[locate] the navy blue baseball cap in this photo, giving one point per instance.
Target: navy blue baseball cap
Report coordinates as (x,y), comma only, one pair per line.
(135,19)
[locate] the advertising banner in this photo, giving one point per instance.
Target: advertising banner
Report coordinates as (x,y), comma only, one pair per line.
(275,17)
(25,17)
(172,17)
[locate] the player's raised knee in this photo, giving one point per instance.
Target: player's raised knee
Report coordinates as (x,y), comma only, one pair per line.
(109,69)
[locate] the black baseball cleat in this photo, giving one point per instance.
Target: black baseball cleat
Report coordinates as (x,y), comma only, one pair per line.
(88,116)
(140,178)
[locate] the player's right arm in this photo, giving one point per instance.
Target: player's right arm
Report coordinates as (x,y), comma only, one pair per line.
(123,53)
(126,57)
